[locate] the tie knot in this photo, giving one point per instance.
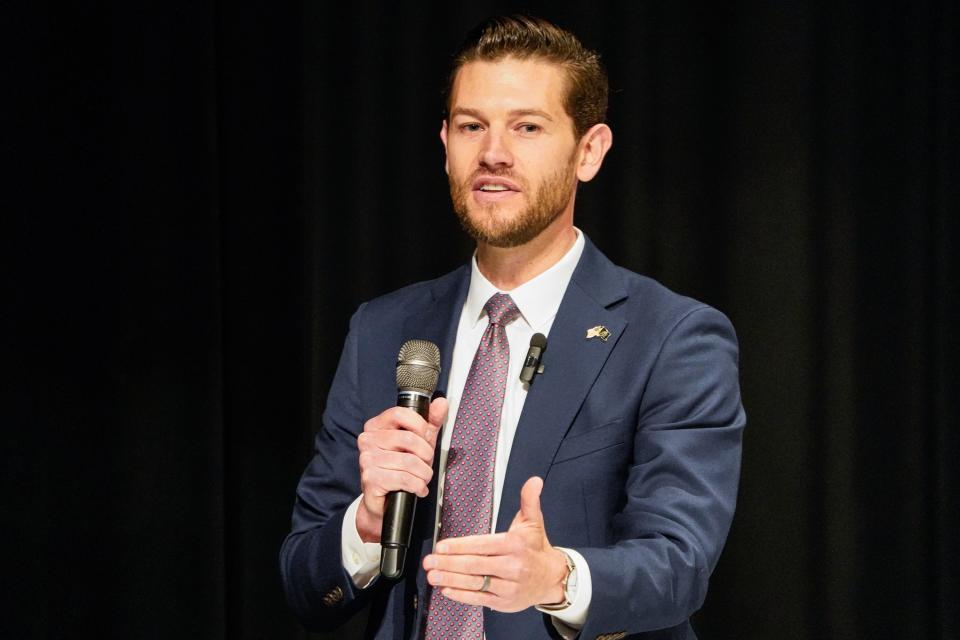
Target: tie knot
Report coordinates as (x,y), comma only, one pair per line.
(501,309)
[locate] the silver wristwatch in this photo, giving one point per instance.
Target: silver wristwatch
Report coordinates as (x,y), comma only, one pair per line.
(569,586)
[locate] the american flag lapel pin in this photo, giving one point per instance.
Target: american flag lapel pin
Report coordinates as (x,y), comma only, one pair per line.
(598,331)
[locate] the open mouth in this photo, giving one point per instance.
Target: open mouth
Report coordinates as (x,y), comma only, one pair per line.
(493,189)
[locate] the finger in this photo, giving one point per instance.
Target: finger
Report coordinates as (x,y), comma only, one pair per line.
(469,596)
(467,582)
(398,418)
(399,441)
(380,482)
(396,461)
(438,413)
(466,565)
(530,500)
(489,544)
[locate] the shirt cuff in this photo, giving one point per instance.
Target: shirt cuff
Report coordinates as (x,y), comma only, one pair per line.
(570,620)
(361,560)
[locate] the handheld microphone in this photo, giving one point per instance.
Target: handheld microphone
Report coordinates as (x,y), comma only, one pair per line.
(418,368)
(531,364)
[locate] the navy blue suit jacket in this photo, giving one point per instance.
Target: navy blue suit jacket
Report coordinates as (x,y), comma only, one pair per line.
(638,440)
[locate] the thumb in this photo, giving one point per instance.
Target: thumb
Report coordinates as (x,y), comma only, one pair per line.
(530,500)
(438,413)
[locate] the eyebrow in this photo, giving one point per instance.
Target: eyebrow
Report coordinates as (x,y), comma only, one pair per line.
(475,113)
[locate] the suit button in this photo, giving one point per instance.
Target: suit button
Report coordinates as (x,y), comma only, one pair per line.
(416,601)
(332,597)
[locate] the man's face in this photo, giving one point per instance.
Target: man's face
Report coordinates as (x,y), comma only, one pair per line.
(511,150)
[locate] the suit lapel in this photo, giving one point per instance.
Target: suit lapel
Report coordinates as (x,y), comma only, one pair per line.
(437,320)
(571,364)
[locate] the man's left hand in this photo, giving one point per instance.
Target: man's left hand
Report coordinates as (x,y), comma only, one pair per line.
(523,568)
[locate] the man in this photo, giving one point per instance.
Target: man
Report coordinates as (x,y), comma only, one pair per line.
(594,500)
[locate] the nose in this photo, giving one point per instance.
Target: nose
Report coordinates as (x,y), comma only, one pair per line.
(496,150)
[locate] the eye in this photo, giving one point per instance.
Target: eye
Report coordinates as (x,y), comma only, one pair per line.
(471,127)
(529,129)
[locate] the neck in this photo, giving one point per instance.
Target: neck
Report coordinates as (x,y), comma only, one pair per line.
(509,267)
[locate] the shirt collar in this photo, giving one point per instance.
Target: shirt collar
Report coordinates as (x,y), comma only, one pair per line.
(537,299)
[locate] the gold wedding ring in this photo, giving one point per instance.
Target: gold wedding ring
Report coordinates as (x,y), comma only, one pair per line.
(485,585)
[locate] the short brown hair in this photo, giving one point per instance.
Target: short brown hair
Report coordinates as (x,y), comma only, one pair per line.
(528,37)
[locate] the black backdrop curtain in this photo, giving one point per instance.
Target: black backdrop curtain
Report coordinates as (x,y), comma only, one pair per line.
(204,192)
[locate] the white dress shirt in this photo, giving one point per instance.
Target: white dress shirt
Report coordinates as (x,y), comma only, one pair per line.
(538,301)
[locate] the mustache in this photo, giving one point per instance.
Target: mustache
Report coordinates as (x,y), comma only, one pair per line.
(500,172)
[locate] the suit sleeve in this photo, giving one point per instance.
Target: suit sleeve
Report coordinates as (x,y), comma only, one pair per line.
(319,590)
(681,488)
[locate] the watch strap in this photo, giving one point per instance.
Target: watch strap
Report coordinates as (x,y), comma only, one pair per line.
(567,596)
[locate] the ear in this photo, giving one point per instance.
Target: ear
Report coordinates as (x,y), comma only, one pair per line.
(443,138)
(593,148)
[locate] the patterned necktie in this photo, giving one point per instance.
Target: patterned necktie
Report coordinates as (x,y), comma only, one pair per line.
(467,503)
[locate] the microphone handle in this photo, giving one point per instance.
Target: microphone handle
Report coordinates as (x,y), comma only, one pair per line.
(400,505)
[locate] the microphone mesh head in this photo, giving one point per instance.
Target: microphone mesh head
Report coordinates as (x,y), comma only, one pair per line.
(418,366)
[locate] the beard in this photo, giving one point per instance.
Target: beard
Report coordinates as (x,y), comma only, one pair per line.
(490,225)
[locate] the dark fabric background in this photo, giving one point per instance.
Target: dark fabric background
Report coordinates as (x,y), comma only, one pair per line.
(203,192)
